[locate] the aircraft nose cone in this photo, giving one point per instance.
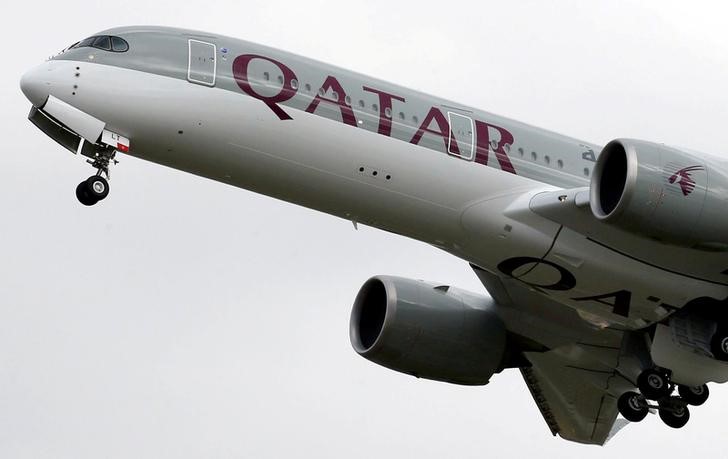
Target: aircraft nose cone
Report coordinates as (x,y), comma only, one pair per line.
(35,85)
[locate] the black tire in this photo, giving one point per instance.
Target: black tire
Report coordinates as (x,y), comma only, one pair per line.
(674,412)
(719,345)
(695,396)
(632,406)
(83,196)
(654,384)
(97,187)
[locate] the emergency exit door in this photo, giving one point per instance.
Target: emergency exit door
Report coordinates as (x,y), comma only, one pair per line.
(461,142)
(202,66)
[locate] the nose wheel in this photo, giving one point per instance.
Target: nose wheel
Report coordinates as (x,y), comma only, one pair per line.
(96,187)
(92,190)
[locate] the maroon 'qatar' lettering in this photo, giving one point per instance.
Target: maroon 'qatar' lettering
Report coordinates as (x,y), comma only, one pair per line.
(482,129)
(240,73)
(385,102)
(347,114)
(444,132)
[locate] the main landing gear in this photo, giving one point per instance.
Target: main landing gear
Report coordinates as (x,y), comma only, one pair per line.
(655,384)
(96,187)
(719,343)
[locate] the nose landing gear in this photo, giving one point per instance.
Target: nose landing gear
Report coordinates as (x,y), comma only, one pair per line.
(96,187)
(92,190)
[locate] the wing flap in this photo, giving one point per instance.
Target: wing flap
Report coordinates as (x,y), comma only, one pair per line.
(573,395)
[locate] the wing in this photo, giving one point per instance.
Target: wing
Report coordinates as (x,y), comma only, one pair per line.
(577,379)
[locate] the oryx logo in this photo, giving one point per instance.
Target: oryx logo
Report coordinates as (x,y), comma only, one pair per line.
(683,178)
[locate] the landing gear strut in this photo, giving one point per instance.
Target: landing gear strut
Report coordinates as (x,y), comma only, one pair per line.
(96,187)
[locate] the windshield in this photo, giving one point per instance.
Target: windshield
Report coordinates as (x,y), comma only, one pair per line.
(104,42)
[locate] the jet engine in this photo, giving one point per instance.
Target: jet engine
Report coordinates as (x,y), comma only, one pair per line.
(661,192)
(438,333)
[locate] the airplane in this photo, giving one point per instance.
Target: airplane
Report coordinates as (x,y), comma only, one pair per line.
(605,267)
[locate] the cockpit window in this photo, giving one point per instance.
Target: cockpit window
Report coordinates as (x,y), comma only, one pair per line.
(84,43)
(119,45)
(102,43)
(105,42)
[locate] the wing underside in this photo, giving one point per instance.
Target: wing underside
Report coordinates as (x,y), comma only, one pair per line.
(576,402)
(575,382)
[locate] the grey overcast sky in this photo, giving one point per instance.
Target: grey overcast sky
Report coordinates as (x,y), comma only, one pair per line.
(184,318)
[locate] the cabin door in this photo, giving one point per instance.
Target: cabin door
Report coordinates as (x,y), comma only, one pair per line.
(461,142)
(202,66)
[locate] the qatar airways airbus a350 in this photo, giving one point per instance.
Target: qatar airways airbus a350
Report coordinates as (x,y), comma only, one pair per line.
(606,267)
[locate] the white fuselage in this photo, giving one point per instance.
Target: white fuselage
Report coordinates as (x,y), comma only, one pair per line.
(478,213)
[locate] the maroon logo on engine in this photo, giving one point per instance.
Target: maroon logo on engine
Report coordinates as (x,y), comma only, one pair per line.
(683,178)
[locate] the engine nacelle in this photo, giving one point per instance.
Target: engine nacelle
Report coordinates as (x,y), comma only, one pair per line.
(662,193)
(437,333)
